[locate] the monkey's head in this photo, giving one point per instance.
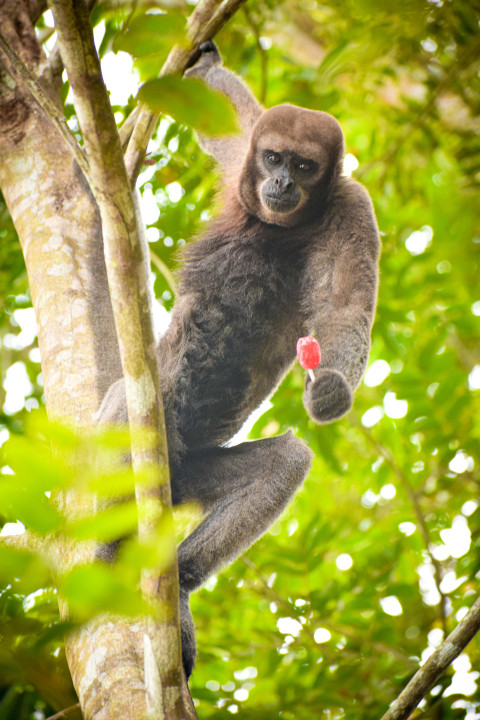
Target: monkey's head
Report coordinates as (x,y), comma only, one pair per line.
(291,166)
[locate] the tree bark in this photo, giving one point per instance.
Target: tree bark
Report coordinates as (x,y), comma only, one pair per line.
(59,227)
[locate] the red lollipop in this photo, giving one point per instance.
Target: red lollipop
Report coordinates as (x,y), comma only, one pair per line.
(308,353)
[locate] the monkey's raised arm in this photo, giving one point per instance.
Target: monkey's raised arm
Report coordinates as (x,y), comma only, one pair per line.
(341,306)
(227,148)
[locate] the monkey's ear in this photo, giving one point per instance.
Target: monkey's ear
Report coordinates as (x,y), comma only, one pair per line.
(204,58)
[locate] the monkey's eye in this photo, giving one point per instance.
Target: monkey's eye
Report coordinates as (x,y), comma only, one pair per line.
(306,167)
(272,157)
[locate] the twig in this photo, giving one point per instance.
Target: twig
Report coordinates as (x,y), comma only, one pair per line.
(425,678)
(203,24)
(64,712)
(165,270)
(45,102)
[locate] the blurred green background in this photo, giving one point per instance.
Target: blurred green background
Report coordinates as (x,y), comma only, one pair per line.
(378,556)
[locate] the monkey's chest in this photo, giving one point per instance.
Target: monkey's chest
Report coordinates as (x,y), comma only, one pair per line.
(240,326)
(239,340)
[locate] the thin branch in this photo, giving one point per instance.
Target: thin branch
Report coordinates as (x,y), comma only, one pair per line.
(45,34)
(53,63)
(29,542)
(63,713)
(425,678)
(125,131)
(45,102)
(405,482)
(203,24)
(165,270)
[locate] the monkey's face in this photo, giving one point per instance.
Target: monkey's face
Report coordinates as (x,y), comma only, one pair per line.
(286,185)
(291,165)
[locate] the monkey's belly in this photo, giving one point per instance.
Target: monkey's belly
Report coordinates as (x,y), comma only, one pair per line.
(216,406)
(218,390)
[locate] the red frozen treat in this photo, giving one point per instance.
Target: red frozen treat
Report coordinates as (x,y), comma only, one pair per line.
(308,352)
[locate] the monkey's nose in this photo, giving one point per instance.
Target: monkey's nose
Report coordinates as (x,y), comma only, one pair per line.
(283,183)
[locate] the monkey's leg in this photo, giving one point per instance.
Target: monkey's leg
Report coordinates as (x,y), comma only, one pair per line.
(244,489)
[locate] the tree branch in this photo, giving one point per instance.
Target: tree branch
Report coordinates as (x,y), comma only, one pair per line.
(165,270)
(54,62)
(45,102)
(63,713)
(203,24)
(425,678)
(127,280)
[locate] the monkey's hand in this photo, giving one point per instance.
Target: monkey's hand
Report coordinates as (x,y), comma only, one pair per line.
(205,58)
(328,397)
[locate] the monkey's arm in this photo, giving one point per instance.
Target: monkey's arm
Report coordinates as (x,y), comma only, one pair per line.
(226,149)
(342,321)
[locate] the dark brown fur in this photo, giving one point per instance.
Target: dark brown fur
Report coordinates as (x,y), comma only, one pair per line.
(253,284)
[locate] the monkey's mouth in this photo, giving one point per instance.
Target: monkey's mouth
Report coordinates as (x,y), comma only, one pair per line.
(280,203)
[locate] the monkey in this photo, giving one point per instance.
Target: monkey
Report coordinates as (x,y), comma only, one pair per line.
(294,251)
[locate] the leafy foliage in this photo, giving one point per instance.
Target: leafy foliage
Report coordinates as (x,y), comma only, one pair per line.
(185,99)
(378,555)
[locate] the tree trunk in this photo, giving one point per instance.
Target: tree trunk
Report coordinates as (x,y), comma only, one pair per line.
(59,228)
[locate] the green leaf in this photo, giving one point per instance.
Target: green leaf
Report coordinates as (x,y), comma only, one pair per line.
(34,464)
(114,484)
(13,563)
(153,554)
(112,523)
(25,571)
(92,589)
(191,102)
(29,506)
(151,34)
